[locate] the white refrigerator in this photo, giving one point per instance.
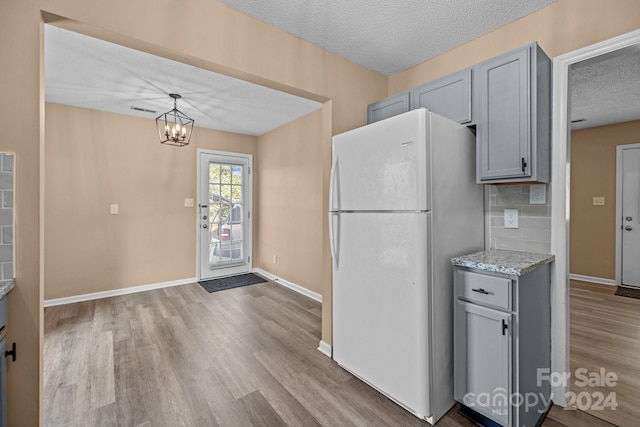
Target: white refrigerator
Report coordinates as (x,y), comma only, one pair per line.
(403,202)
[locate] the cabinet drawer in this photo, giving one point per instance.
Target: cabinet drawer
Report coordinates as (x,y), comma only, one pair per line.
(485,289)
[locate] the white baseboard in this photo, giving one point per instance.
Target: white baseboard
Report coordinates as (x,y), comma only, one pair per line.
(325,349)
(304,291)
(599,280)
(116,292)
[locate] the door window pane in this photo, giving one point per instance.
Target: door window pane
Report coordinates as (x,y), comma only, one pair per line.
(225,220)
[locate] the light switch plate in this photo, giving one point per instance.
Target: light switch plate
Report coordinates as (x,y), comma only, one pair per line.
(113,209)
(538,194)
(598,201)
(188,203)
(511,218)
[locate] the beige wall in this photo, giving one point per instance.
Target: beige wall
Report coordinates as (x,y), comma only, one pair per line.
(593,174)
(290,212)
(559,28)
(217,38)
(21,118)
(221,39)
(94,159)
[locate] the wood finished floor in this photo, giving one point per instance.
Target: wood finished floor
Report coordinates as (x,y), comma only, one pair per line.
(182,357)
(605,333)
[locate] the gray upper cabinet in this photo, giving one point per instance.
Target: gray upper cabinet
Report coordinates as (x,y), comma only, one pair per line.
(449,96)
(388,107)
(512,100)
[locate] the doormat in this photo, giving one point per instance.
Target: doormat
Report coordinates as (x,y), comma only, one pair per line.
(230,282)
(623,291)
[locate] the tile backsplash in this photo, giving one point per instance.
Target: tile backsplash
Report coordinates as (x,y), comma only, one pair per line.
(534,232)
(6,215)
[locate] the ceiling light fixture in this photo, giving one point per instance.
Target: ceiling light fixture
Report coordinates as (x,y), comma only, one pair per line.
(174,127)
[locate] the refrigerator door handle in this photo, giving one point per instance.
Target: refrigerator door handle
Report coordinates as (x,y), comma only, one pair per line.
(334,187)
(334,238)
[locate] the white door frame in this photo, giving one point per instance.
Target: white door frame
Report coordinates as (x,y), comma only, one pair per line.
(560,200)
(619,150)
(248,205)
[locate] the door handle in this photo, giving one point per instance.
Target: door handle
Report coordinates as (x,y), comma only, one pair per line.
(334,188)
(505,326)
(480,290)
(205,226)
(334,239)
(628,228)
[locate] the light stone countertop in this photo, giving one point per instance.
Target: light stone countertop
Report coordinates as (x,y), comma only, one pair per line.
(6,286)
(512,263)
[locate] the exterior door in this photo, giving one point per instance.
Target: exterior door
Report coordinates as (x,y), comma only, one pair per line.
(224,214)
(631,216)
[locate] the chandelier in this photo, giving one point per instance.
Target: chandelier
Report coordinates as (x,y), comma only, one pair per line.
(174,127)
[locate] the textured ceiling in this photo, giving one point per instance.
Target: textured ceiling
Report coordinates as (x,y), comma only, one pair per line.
(86,72)
(388,36)
(606,91)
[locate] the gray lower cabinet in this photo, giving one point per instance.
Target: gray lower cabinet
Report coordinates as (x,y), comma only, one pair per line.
(502,337)
(388,107)
(512,101)
(449,96)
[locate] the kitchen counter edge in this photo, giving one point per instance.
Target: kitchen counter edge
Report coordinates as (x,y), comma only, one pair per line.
(6,286)
(512,263)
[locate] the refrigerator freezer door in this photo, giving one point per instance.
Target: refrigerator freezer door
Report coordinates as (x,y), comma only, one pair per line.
(380,304)
(382,166)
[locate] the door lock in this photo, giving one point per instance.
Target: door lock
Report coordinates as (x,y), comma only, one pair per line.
(628,218)
(204,217)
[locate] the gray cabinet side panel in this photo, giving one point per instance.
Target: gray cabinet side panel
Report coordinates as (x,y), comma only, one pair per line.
(541,90)
(388,107)
(449,96)
(534,340)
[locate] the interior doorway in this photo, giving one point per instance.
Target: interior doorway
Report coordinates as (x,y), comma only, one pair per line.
(224,214)
(591,333)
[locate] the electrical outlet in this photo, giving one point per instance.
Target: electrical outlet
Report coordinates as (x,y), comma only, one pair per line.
(598,201)
(537,194)
(188,203)
(113,209)
(275,259)
(511,218)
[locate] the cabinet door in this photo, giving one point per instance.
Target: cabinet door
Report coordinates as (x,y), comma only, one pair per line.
(388,107)
(503,122)
(482,349)
(449,96)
